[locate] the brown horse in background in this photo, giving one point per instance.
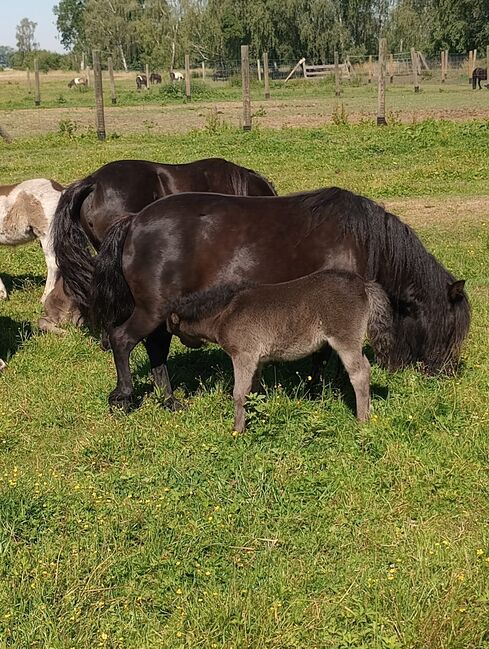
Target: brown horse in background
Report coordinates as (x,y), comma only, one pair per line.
(191,242)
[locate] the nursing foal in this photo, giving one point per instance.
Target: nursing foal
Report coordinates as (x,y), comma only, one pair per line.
(284,322)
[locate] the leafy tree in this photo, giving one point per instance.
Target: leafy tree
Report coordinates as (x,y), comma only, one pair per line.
(109,25)
(6,53)
(69,21)
(24,35)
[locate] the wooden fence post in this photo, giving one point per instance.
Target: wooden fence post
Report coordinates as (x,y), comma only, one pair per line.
(446,64)
(89,75)
(336,75)
(146,72)
(381,87)
(469,69)
(245,76)
(370,69)
(442,57)
(99,96)
(414,63)
(203,70)
(258,69)
(110,66)
(265,75)
(37,82)
(391,68)
(188,93)
(28,70)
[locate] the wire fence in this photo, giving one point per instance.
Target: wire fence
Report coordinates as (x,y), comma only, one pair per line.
(353,69)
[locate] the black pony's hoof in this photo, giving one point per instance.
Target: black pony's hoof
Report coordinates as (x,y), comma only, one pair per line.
(105,343)
(173,404)
(120,402)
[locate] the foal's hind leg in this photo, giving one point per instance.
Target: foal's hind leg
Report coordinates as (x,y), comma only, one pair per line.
(245,368)
(157,346)
(123,339)
(358,369)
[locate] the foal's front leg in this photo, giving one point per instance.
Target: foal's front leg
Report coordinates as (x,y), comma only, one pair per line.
(157,346)
(245,368)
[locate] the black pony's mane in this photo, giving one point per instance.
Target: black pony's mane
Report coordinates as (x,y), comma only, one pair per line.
(204,304)
(386,238)
(416,283)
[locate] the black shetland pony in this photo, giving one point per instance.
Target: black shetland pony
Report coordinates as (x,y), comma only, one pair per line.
(478,75)
(88,207)
(191,242)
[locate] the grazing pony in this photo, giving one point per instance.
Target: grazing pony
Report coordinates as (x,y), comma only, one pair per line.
(141,81)
(176,76)
(154,77)
(89,206)
(78,82)
(26,211)
(478,75)
(284,322)
(191,242)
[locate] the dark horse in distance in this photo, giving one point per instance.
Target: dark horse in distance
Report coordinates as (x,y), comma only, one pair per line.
(191,242)
(478,75)
(88,207)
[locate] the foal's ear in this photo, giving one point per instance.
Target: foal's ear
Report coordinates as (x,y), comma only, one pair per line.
(174,319)
(456,290)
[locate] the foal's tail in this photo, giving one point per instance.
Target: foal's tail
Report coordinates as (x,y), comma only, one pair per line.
(111,300)
(380,322)
(71,245)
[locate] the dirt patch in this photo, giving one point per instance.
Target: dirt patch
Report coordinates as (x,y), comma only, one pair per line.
(443,211)
(183,118)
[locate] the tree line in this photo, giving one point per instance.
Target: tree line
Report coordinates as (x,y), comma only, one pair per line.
(160,32)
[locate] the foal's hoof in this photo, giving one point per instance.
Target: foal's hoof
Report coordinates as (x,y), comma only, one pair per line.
(120,402)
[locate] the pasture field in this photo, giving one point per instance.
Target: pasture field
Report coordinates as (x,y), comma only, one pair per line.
(163,109)
(308,531)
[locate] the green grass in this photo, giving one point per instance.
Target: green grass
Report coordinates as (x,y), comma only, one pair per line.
(357,95)
(427,158)
(163,530)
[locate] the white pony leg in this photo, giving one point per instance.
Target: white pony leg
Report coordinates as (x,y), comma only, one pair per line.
(47,248)
(3,365)
(3,291)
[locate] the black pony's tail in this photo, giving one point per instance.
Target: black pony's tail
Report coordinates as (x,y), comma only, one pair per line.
(380,323)
(71,245)
(111,299)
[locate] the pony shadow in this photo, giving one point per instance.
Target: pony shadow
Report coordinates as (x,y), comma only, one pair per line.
(12,335)
(19,282)
(191,369)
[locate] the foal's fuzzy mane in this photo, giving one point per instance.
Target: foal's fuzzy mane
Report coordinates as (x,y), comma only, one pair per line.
(204,304)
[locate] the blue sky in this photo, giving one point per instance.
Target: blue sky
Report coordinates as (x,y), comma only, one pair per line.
(40,11)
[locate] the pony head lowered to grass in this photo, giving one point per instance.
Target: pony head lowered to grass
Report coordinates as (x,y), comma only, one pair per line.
(191,242)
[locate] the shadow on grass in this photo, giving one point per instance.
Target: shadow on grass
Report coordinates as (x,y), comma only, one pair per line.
(191,369)
(19,282)
(12,335)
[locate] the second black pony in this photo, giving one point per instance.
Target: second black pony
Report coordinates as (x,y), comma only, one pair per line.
(478,75)
(88,207)
(190,242)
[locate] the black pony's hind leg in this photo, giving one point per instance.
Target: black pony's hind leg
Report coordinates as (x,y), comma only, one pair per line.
(157,346)
(123,339)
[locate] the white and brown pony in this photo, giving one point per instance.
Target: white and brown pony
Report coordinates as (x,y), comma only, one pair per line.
(78,82)
(26,210)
